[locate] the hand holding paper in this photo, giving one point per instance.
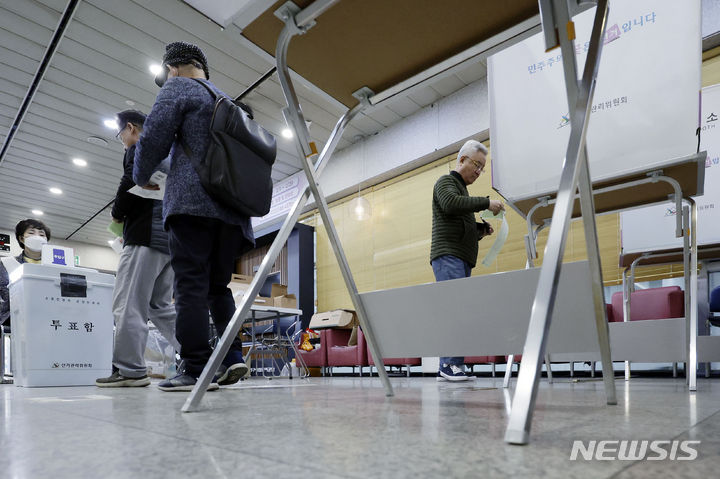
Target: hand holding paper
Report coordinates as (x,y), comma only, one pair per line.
(499,240)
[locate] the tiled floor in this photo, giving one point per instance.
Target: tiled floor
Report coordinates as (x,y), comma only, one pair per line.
(346,427)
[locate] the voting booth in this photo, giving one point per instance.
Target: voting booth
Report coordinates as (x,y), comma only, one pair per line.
(62,325)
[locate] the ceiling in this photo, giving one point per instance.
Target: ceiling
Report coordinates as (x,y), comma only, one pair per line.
(101,67)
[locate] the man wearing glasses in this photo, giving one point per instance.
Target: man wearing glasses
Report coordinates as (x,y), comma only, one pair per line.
(144,283)
(455,233)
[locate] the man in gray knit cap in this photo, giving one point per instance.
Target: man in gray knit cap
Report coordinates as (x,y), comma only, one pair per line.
(205,236)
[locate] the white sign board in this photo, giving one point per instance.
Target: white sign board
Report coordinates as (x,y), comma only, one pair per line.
(653,228)
(285,193)
(644,111)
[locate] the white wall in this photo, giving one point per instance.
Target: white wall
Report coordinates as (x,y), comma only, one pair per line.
(431,133)
(91,256)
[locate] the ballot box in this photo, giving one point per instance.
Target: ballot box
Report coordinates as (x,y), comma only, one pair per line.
(62,325)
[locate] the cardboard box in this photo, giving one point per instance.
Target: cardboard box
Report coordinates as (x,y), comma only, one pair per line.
(278,290)
(279,298)
(285,301)
(339,318)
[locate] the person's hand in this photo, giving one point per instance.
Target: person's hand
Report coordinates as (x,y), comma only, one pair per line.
(151,186)
(496,206)
(490,230)
(115,220)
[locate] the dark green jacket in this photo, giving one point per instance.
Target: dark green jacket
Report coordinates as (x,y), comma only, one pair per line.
(454,230)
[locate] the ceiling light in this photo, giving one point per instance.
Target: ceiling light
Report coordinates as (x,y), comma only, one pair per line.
(110,242)
(96,140)
(286,133)
(155,69)
(112,124)
(129,103)
(55,191)
(360,208)
(37,212)
(79,162)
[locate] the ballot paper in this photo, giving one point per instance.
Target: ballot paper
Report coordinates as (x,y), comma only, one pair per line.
(115,228)
(500,236)
(157,178)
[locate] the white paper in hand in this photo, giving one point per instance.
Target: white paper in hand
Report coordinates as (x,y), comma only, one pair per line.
(157,178)
(500,237)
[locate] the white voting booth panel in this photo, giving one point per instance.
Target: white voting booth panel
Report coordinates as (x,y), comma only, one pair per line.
(644,111)
(653,228)
(62,325)
(490,315)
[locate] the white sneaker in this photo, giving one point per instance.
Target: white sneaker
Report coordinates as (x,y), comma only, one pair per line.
(452,373)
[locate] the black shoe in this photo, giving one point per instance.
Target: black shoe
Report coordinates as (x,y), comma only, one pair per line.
(227,375)
(183,382)
(117,380)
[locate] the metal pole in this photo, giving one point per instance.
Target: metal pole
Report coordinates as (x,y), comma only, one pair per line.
(627,291)
(294,117)
(692,338)
(246,303)
(518,429)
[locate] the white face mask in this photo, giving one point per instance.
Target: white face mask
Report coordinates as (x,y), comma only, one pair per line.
(35,242)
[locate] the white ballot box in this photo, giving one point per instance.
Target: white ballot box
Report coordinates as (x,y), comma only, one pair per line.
(62,325)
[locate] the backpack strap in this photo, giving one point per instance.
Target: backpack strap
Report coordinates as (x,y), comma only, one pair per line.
(210,90)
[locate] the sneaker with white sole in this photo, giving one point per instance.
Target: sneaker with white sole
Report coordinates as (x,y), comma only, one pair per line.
(183,382)
(451,372)
(117,380)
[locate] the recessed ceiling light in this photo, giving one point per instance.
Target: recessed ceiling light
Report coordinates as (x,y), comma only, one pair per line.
(79,162)
(96,140)
(37,212)
(111,241)
(112,124)
(155,69)
(129,103)
(286,133)
(55,191)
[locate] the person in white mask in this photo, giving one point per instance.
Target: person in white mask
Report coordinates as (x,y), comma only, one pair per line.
(31,235)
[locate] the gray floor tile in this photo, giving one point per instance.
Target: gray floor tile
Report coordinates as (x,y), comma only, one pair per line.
(345,427)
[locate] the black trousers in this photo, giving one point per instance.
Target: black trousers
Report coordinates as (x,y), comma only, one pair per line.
(202,253)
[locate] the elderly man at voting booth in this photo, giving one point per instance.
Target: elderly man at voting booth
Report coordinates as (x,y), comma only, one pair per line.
(455,234)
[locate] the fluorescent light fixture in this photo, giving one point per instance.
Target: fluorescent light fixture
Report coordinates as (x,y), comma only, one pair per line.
(79,162)
(112,124)
(37,212)
(155,69)
(286,133)
(55,191)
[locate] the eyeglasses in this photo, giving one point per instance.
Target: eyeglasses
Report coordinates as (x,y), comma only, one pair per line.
(117,136)
(478,165)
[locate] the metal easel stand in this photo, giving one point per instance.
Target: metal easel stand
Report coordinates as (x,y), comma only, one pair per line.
(297,22)
(559,29)
(233,328)
(687,218)
(681,229)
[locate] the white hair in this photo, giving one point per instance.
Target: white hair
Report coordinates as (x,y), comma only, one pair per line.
(470,148)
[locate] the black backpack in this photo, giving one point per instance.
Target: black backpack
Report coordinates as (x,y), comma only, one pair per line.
(236,169)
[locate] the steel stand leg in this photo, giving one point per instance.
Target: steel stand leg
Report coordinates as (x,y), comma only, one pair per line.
(556,22)
(508,371)
(691,262)
(296,23)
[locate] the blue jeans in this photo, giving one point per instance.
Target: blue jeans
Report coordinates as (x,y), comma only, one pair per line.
(450,267)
